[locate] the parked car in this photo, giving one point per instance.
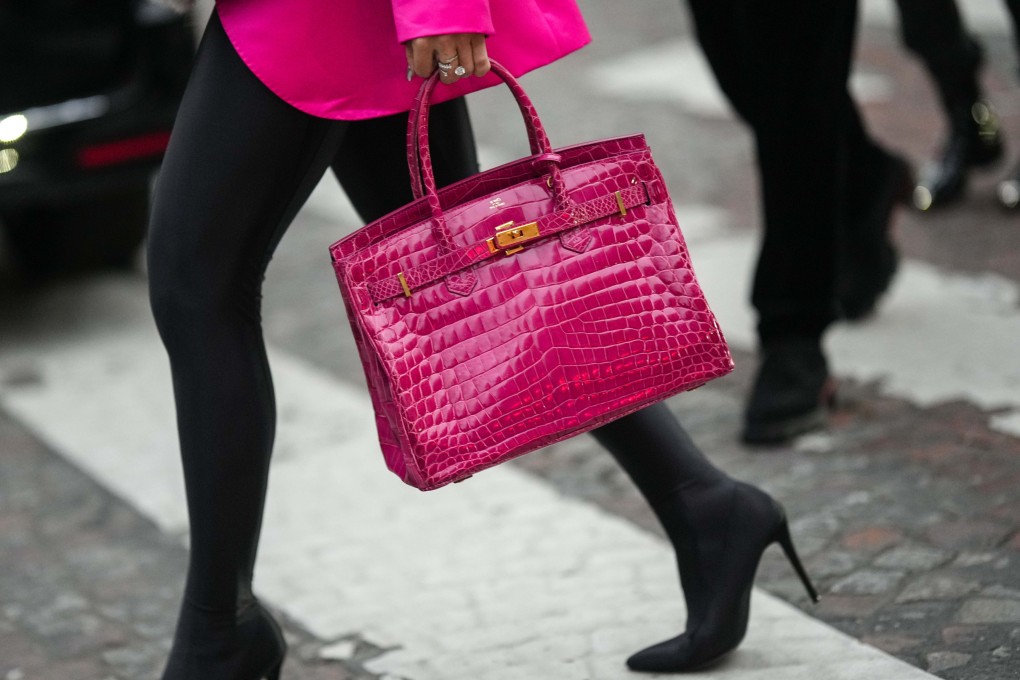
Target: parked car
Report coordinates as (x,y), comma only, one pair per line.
(88,96)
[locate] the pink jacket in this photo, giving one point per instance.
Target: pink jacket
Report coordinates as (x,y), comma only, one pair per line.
(344,59)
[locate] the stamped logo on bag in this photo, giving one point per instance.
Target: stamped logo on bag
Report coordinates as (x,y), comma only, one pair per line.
(496,203)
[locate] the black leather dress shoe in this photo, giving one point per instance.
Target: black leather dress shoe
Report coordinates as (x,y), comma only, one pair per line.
(868,258)
(791,394)
(974,141)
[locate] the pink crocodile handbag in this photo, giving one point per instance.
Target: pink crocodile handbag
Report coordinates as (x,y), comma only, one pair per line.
(523,305)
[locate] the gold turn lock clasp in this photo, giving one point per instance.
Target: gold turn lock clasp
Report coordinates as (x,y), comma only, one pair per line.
(509,238)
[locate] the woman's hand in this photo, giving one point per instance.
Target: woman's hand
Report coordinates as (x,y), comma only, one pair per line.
(456,55)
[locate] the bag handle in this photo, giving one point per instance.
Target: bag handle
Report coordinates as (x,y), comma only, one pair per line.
(537,139)
(423,181)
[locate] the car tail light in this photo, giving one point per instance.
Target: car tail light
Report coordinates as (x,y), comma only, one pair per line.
(123,150)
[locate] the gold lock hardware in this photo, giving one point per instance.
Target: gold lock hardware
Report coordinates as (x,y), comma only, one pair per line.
(507,235)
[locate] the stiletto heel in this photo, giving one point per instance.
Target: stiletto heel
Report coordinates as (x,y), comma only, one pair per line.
(784,540)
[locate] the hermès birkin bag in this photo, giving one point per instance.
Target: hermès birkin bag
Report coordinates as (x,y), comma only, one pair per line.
(523,305)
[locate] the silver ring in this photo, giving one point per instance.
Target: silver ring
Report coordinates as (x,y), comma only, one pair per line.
(445,68)
(459,71)
(448,61)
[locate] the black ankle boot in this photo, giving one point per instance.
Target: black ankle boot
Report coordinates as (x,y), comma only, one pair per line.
(868,259)
(791,393)
(974,141)
(720,534)
(246,645)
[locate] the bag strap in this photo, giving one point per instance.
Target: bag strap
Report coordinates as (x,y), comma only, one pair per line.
(508,241)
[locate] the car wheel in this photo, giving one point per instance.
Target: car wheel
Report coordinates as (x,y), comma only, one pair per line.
(102,232)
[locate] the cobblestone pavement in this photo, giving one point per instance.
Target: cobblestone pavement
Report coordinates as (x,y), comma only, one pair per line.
(89,589)
(908,514)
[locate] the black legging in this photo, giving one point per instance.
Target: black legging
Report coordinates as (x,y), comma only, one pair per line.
(241,163)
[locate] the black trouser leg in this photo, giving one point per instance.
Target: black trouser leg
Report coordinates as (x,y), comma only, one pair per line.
(933,30)
(784,65)
(240,165)
(1014,11)
(866,166)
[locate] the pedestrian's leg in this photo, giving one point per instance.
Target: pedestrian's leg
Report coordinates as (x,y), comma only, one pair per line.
(718,527)
(726,34)
(1014,12)
(934,31)
(240,164)
(803,49)
(1008,190)
(877,183)
(784,66)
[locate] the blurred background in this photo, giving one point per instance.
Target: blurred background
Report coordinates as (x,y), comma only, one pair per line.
(907,506)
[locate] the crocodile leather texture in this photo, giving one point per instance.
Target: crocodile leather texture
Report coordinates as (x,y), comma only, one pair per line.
(523,305)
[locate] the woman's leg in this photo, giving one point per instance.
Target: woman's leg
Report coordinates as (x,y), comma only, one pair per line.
(658,454)
(719,528)
(240,164)
(675,478)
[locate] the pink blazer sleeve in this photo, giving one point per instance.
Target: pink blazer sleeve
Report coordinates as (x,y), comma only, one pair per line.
(419,18)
